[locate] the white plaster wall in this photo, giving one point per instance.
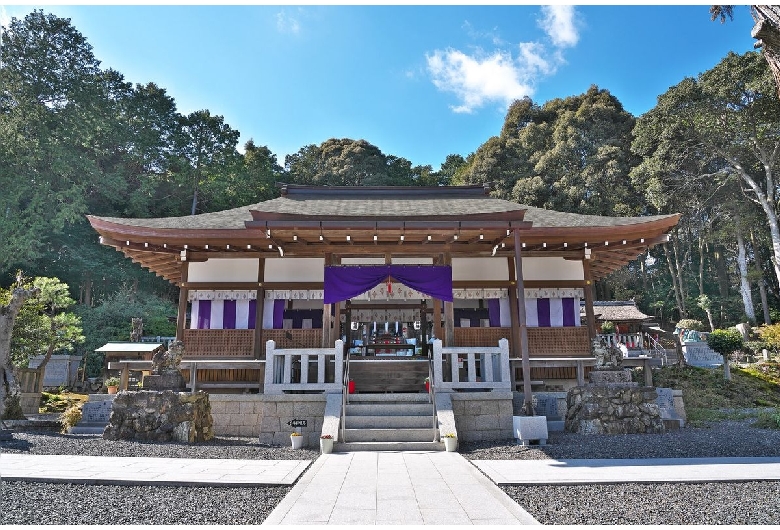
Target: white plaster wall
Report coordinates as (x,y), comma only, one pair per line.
(422,260)
(479,269)
(363,261)
(223,270)
(552,269)
(294,270)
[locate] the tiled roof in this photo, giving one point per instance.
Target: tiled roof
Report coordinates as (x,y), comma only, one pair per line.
(618,311)
(364,207)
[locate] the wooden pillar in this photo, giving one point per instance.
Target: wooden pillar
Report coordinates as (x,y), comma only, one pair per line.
(259,348)
(590,317)
(437,330)
(449,314)
(526,363)
(514,337)
(181,317)
(327,318)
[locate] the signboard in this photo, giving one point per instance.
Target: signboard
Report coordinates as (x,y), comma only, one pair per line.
(297,423)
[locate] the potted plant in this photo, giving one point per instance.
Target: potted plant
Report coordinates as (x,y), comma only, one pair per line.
(326,444)
(112,384)
(450,442)
(296,440)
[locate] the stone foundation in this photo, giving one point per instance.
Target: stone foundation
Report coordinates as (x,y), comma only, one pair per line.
(160,417)
(266,416)
(483,415)
(613,410)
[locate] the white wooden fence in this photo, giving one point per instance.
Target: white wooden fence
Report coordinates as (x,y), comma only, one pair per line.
(281,364)
(492,373)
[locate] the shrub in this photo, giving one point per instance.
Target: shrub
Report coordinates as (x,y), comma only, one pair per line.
(71,416)
(689,323)
(770,335)
(725,341)
(607,326)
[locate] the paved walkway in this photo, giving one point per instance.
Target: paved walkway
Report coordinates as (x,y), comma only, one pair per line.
(536,472)
(150,471)
(385,487)
(410,488)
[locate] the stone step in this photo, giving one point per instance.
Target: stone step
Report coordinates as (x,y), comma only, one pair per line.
(390,435)
(345,447)
(87,429)
(421,397)
(389,409)
(389,422)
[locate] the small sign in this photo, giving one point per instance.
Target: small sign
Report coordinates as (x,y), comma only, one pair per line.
(297,423)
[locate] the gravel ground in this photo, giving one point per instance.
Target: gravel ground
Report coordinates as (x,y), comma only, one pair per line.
(742,503)
(712,503)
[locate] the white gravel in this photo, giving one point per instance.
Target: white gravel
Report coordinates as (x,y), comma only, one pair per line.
(712,503)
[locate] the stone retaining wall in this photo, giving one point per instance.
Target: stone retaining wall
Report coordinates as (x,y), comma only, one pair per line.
(266,417)
(483,415)
(613,410)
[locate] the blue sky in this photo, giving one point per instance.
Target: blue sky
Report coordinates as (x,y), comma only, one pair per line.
(419,82)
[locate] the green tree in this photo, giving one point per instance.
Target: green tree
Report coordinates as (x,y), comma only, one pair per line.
(111,320)
(569,155)
(206,149)
(44,325)
(719,127)
(251,180)
(725,342)
(45,106)
(11,302)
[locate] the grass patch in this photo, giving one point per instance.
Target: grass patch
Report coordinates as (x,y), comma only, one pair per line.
(708,397)
(768,419)
(53,402)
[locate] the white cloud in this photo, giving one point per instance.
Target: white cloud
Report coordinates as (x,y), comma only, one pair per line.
(558,23)
(287,24)
(502,76)
(477,80)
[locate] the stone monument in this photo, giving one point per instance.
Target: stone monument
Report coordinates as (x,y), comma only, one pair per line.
(611,403)
(165,369)
(161,412)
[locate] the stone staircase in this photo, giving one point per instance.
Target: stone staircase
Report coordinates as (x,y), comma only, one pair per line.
(389,422)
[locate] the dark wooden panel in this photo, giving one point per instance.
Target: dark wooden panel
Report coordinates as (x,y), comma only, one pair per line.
(389,375)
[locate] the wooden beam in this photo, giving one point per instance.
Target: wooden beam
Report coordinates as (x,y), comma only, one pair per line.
(527,397)
(589,315)
(181,316)
(259,347)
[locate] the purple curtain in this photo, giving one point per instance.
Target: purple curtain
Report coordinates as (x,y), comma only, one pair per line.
(543,312)
(229,315)
(204,314)
(568,312)
(278,313)
(494,312)
(252,313)
(343,283)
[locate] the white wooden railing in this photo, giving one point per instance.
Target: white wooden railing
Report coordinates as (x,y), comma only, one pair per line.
(631,340)
(279,369)
(493,370)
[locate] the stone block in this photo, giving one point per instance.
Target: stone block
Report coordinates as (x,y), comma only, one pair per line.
(486,422)
(232,407)
(529,428)
(249,419)
(246,407)
(284,409)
